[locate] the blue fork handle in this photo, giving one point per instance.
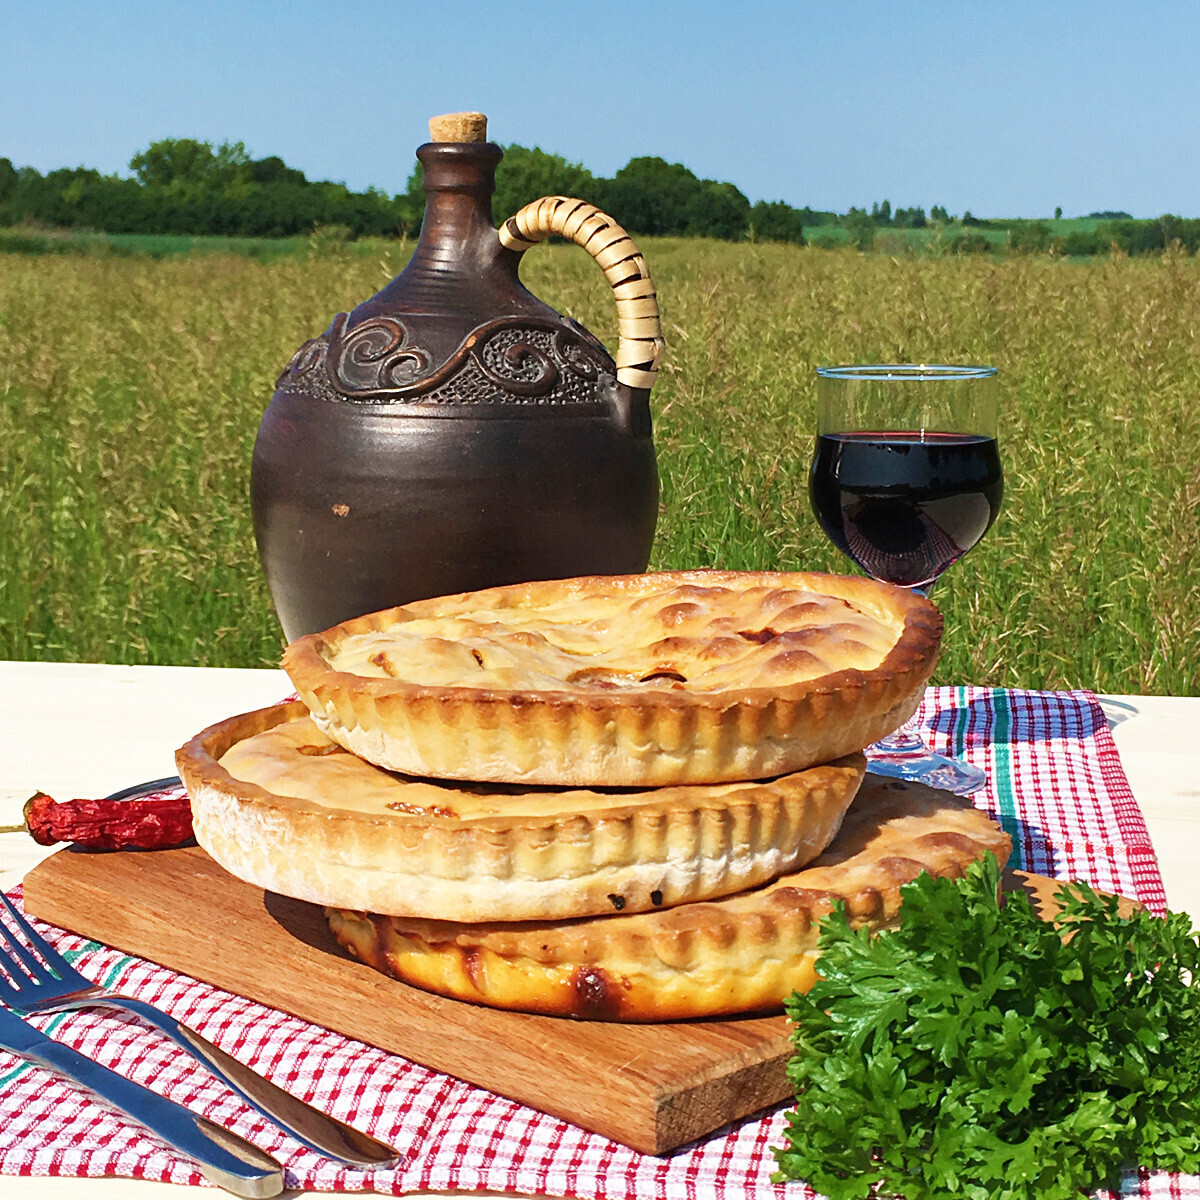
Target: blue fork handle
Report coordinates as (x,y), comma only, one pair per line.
(224,1158)
(317,1130)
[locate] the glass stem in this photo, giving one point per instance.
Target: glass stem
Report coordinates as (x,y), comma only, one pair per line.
(905,740)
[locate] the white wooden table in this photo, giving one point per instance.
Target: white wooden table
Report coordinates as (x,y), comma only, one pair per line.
(87,730)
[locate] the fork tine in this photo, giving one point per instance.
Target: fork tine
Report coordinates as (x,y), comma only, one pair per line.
(38,972)
(22,924)
(14,956)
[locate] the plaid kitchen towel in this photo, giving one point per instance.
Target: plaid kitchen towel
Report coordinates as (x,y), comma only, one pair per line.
(1056,785)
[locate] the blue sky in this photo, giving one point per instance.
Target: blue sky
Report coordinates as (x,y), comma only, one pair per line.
(1005,109)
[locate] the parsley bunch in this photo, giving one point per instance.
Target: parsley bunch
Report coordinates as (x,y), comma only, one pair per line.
(981,1052)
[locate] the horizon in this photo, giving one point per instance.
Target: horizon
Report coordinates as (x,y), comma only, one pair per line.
(1008,117)
(1110,215)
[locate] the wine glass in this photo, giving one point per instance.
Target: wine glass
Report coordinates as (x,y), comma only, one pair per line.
(905,479)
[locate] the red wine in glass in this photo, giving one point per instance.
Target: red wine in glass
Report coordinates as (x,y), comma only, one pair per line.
(905,479)
(904,505)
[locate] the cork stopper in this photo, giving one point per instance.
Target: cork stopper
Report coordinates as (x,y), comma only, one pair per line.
(458,127)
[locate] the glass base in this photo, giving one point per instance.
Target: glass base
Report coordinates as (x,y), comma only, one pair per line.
(903,755)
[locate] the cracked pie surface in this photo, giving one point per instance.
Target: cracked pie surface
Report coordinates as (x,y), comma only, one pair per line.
(646,680)
(282,806)
(745,953)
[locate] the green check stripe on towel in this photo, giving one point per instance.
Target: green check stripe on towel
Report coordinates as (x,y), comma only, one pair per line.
(1002,766)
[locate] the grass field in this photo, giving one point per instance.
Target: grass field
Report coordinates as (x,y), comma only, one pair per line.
(131,390)
(937,239)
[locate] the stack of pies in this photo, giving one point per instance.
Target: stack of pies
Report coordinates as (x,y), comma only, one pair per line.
(623,798)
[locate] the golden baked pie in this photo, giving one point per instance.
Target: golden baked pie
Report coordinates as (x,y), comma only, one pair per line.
(745,953)
(278,804)
(639,680)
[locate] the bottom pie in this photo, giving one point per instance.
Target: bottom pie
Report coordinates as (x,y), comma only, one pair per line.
(744,953)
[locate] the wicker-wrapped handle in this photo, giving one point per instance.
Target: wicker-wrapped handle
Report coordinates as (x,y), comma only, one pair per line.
(638,326)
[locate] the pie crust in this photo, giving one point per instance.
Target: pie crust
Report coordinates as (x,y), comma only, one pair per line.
(745,953)
(636,680)
(281,806)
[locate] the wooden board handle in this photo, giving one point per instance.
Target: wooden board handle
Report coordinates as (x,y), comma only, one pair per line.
(641,343)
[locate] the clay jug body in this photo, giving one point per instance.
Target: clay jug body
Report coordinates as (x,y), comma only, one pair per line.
(453,432)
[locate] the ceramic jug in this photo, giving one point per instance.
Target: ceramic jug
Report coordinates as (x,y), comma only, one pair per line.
(454,432)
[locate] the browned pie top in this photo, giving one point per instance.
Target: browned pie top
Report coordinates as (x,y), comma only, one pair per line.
(694,632)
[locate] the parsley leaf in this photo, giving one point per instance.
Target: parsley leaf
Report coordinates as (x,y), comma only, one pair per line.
(981,1052)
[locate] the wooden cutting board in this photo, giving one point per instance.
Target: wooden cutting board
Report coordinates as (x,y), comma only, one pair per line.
(651,1087)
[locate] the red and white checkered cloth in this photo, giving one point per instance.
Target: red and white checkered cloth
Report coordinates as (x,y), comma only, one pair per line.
(1056,785)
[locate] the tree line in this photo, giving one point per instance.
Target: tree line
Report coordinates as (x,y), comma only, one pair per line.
(181,185)
(186,186)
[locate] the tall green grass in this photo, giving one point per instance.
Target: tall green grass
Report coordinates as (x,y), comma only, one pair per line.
(131,390)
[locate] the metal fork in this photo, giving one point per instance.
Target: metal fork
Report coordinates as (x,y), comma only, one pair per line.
(52,984)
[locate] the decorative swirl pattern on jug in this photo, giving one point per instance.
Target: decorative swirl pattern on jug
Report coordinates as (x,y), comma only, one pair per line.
(511,360)
(376,356)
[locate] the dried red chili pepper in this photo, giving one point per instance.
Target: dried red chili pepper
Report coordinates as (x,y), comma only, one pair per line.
(110,824)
